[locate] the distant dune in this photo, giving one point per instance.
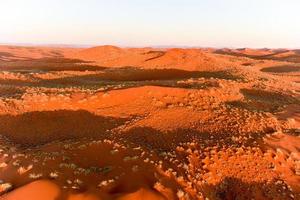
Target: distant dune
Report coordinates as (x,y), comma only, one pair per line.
(188,59)
(271,54)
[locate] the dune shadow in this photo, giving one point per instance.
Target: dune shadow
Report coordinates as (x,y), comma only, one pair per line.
(233,188)
(157,140)
(7,91)
(138,74)
(156,54)
(129,77)
(48,64)
(154,139)
(262,100)
(281,69)
(134,77)
(37,128)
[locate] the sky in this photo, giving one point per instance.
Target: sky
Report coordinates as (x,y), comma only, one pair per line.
(195,23)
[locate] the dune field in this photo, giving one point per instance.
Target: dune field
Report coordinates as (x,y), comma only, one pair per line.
(149,123)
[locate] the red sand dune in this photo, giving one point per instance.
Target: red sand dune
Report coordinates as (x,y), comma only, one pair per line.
(188,59)
(24,53)
(144,123)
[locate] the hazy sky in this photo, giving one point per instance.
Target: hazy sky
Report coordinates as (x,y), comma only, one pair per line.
(215,23)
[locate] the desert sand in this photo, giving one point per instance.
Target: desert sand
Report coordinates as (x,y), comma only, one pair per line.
(146,123)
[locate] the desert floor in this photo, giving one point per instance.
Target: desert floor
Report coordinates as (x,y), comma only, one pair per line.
(146,123)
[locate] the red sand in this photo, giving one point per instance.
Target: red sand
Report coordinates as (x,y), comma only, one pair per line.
(129,123)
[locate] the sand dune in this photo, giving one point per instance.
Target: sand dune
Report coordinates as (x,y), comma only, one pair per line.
(149,123)
(261,54)
(187,59)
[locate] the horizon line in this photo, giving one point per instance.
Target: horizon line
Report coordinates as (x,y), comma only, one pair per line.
(65,45)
